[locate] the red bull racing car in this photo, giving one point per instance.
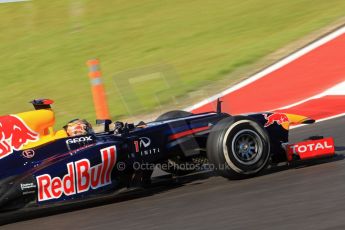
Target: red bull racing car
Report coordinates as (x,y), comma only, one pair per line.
(42,167)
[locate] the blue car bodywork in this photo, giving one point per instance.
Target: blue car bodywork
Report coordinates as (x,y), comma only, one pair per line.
(75,168)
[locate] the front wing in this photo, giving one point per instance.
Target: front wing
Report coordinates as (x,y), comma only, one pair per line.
(310,149)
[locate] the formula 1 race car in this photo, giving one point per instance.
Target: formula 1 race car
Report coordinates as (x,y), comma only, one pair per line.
(43,167)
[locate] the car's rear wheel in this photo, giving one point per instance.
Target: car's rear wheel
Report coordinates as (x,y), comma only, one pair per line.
(173,115)
(238,147)
(177,164)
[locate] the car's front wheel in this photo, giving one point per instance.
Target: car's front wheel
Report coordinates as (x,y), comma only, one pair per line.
(238,147)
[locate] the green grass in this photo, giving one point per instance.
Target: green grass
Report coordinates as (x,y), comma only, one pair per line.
(44,46)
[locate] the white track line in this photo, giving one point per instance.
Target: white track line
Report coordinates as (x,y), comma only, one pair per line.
(10,1)
(273,67)
(338,89)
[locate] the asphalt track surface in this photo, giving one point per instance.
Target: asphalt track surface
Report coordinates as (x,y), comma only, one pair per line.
(304,196)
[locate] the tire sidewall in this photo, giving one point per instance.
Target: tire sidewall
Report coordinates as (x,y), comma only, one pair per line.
(227,150)
(227,166)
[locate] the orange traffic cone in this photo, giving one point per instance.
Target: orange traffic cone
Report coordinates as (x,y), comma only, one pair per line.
(98,91)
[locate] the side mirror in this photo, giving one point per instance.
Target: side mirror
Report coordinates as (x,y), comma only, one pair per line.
(106,123)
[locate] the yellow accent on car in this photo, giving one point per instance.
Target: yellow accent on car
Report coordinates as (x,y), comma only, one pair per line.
(295,119)
(42,122)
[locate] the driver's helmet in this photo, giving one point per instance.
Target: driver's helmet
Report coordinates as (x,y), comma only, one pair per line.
(78,127)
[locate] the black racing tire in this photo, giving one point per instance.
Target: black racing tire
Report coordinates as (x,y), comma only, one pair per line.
(173,114)
(178,167)
(238,147)
(173,164)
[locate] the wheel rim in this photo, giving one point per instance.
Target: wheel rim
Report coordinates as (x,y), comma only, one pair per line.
(247,147)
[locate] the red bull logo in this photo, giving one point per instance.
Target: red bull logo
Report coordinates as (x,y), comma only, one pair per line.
(14,134)
(279,118)
(81,177)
